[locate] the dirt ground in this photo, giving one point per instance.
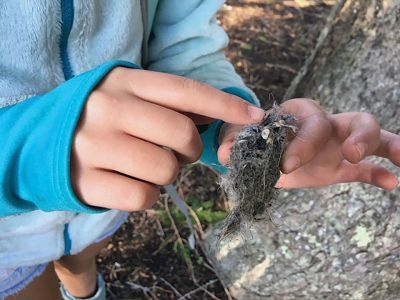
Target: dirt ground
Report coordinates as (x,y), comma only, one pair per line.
(149,257)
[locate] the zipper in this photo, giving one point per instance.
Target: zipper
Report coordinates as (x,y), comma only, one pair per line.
(67,19)
(67,240)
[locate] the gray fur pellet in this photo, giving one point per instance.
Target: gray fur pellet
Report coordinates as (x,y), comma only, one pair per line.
(253,170)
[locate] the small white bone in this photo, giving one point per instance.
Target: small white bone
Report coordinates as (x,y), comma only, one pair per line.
(265,133)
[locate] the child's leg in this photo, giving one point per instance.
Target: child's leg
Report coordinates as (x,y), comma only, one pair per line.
(78,272)
(43,287)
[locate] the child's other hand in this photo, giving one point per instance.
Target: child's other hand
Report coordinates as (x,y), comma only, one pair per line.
(119,155)
(330,149)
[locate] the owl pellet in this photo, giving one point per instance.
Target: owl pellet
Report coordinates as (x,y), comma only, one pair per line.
(253,170)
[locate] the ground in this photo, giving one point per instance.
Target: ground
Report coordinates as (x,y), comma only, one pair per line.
(149,257)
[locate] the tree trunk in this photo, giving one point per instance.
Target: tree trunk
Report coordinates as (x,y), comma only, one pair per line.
(340,242)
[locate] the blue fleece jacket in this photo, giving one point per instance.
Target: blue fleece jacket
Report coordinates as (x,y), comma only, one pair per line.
(41,98)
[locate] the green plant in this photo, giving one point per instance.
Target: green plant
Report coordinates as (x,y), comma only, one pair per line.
(204,210)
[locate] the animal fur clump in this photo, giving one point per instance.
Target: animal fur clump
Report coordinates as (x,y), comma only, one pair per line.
(253,170)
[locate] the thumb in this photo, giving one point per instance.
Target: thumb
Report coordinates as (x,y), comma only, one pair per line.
(227,137)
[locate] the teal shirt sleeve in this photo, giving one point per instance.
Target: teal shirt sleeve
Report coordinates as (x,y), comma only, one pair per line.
(35,145)
(209,134)
(187,40)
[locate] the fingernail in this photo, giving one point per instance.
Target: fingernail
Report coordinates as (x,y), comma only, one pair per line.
(256,113)
(362,149)
(291,164)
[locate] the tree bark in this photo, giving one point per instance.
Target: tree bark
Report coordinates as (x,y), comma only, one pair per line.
(340,242)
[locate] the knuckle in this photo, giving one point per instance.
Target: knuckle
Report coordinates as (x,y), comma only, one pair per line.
(83,147)
(102,104)
(317,103)
(80,141)
(369,117)
(313,103)
(119,72)
(187,132)
(108,101)
(143,198)
(324,124)
(197,151)
(189,85)
(116,76)
(295,102)
(82,144)
(167,168)
(240,104)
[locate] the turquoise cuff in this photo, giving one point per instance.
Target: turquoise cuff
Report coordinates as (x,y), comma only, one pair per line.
(67,199)
(210,134)
(36,137)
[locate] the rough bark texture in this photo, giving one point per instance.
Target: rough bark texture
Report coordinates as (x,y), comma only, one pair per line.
(341,242)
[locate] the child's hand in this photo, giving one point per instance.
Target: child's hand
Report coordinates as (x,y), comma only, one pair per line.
(329,148)
(118,156)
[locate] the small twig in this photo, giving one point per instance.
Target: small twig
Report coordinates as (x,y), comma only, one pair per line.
(212,170)
(208,293)
(226,290)
(160,230)
(299,10)
(142,220)
(111,293)
(185,173)
(177,293)
(188,262)
(290,93)
(163,244)
(200,288)
(178,236)
(196,219)
(228,294)
(279,66)
(146,291)
(182,206)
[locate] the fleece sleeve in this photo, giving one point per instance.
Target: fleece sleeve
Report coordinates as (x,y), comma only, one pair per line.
(35,145)
(186,40)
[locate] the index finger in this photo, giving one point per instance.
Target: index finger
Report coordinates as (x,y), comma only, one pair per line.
(187,95)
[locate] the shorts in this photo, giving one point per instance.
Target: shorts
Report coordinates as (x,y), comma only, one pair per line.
(14,279)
